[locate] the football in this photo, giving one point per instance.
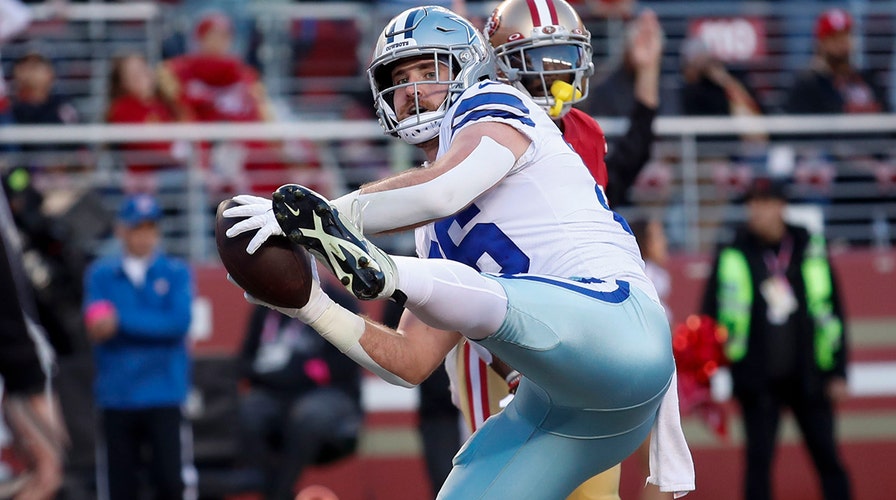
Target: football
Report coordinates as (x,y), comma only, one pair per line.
(278,273)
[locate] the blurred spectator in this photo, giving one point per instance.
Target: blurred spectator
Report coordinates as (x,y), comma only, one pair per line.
(30,409)
(14,18)
(182,40)
(137,312)
(709,89)
(775,292)
(627,156)
(213,85)
(832,84)
(134,98)
(35,103)
(631,80)
(54,265)
(303,406)
(55,262)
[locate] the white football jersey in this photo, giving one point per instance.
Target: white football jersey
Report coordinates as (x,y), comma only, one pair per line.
(547,216)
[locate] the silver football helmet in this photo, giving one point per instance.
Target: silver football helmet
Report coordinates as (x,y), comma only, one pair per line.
(543,49)
(420,32)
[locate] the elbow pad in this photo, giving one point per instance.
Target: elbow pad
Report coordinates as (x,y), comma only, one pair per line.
(445,195)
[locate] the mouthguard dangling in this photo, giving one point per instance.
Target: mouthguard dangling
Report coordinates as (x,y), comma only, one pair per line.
(563,92)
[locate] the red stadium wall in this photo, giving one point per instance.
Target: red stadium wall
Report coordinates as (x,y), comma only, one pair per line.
(867,282)
(867,279)
(868,286)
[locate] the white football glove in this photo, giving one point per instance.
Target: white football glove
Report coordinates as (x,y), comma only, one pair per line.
(259,215)
(318,300)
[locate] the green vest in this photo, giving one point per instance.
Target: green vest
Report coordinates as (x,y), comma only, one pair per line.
(735,299)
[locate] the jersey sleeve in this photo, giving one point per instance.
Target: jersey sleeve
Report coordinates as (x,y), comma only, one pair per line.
(494,102)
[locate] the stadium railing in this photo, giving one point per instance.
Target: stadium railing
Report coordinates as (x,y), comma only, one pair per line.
(840,170)
(80,40)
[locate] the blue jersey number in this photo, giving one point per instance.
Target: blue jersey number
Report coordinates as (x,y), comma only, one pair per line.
(603,202)
(481,239)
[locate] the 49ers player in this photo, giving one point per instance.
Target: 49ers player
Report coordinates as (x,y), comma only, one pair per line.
(543,49)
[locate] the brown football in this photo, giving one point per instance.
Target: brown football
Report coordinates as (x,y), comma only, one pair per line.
(278,273)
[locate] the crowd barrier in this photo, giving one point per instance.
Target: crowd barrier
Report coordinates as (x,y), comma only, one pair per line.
(840,170)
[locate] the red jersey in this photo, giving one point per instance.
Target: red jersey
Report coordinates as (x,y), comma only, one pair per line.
(130,109)
(216,88)
(225,89)
(587,138)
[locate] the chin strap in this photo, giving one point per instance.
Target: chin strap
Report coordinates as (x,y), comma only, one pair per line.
(563,93)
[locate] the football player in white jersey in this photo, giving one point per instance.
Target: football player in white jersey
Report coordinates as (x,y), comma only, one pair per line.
(502,180)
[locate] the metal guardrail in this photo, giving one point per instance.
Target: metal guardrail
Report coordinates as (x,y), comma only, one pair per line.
(843,166)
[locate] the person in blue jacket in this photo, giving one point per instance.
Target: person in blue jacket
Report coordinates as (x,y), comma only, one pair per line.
(137,314)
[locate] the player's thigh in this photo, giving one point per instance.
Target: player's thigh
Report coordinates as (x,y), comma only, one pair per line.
(511,458)
(557,337)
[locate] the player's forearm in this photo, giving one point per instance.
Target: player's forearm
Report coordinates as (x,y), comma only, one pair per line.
(647,87)
(411,355)
(419,196)
(345,330)
(391,351)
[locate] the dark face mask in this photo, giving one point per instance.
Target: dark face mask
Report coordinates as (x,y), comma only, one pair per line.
(555,62)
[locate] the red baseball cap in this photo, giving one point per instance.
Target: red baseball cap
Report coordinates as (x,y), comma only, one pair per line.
(215,20)
(831,22)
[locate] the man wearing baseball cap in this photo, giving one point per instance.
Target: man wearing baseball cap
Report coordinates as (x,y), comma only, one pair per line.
(832,84)
(137,307)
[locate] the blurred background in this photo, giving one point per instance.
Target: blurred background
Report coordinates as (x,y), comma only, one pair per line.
(100,100)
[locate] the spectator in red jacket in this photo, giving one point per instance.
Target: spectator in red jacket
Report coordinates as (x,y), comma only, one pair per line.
(134,98)
(213,85)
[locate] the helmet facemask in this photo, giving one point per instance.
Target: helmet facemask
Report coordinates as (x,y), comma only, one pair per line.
(461,56)
(425,117)
(540,65)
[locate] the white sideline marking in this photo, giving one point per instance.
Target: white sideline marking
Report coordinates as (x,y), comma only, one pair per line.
(872,379)
(379,395)
(867,379)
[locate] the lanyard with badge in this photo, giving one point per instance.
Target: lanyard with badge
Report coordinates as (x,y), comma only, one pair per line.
(775,289)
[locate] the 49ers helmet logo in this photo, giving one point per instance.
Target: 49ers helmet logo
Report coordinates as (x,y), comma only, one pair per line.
(493,23)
